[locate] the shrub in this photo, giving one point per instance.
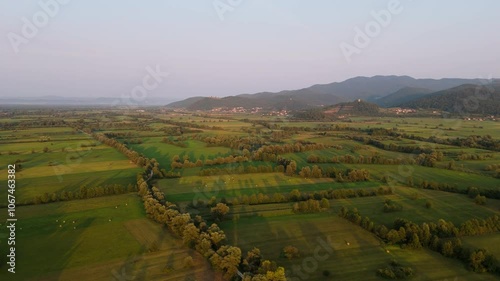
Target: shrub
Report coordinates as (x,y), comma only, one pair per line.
(188,262)
(291,252)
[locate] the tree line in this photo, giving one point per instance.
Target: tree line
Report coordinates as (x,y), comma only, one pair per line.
(350,159)
(83,192)
(472,191)
(177,163)
(296,196)
(241,169)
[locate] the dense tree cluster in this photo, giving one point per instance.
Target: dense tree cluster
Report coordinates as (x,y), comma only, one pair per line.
(258,269)
(219,211)
(235,142)
(311,114)
(309,206)
(347,175)
(429,159)
(270,152)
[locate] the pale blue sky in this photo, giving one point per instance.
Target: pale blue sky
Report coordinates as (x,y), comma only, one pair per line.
(101,48)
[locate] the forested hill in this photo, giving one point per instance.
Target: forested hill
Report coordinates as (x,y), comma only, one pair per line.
(291,101)
(401,96)
(464,99)
(358,107)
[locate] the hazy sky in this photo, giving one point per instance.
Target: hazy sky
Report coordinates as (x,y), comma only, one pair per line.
(96,48)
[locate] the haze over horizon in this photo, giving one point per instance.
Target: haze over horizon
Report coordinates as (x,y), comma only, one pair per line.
(256,46)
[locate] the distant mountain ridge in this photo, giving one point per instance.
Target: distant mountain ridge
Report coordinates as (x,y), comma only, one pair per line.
(379,86)
(367,88)
(83,101)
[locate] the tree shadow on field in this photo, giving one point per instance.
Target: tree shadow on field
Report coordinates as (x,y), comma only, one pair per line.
(311,228)
(267,186)
(312,235)
(244,210)
(127,271)
(154,152)
(136,266)
(70,242)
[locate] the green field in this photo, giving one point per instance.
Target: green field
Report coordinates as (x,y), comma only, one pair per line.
(163,152)
(489,242)
(93,237)
(456,208)
(69,170)
(230,186)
